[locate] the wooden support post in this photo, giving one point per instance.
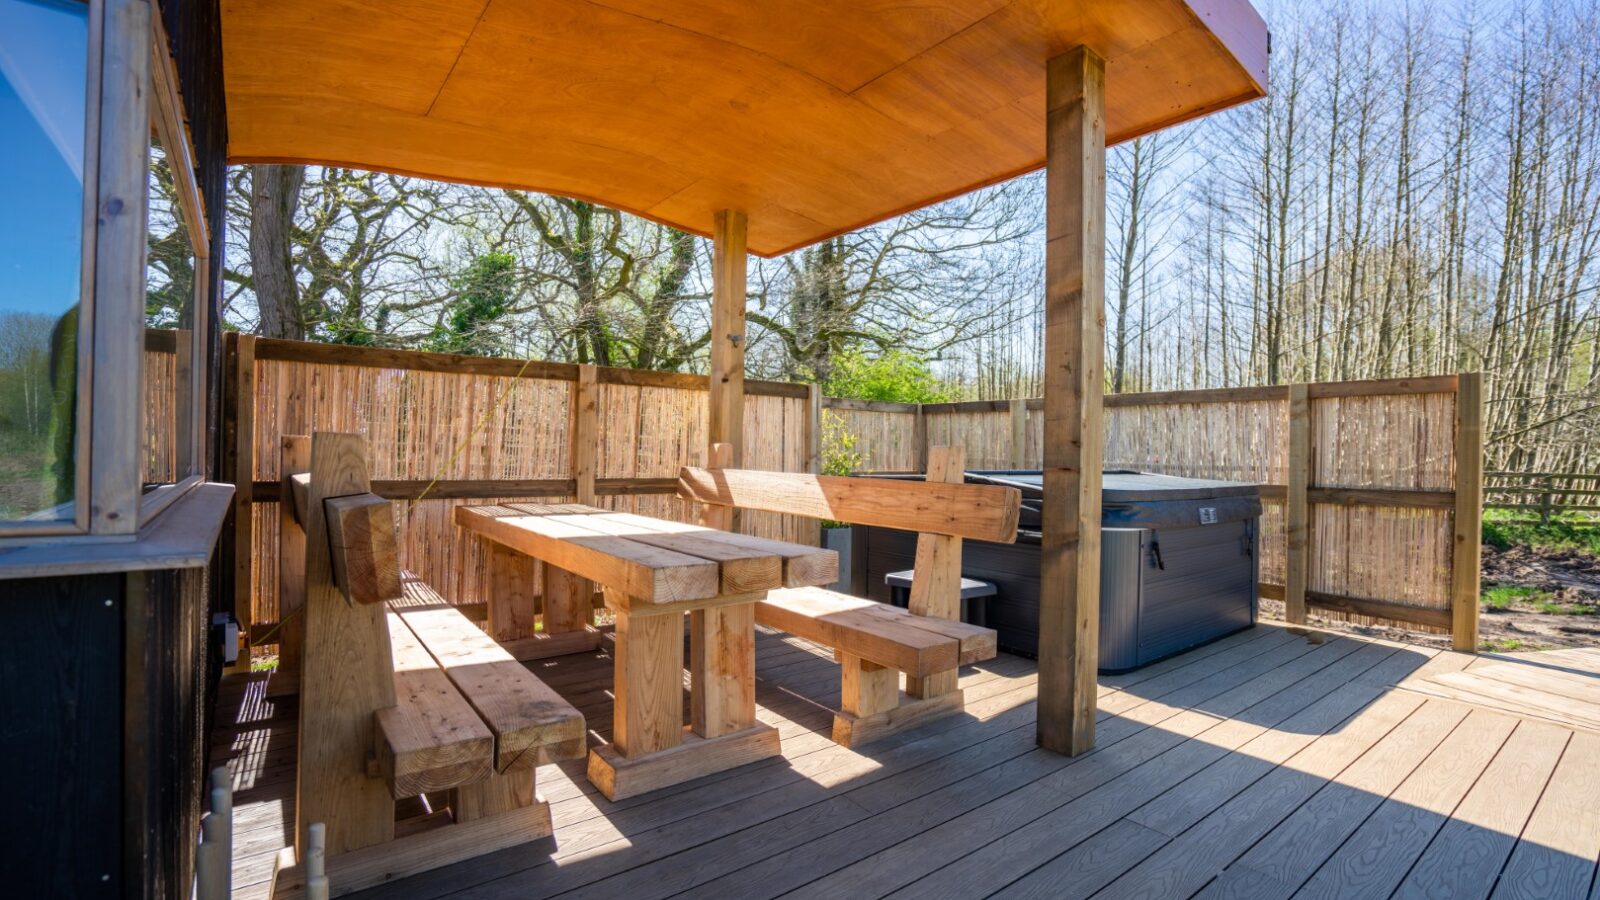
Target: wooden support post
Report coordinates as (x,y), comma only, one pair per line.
(1297,509)
(1466,557)
(294,458)
(814,446)
(649,681)
(867,688)
(361,541)
(244,460)
(936,584)
(510,583)
(1069,599)
(728,271)
(1019,433)
(583,432)
(347,674)
(500,793)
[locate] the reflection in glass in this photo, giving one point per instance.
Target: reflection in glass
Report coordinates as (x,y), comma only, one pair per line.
(43,49)
(169,317)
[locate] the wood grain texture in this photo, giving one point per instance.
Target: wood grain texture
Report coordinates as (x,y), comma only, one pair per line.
(722,669)
(361,544)
(346,675)
(1297,526)
(936,583)
(980,512)
(620,776)
(1465,560)
(495,795)
(649,683)
(1069,553)
(867,109)
(511,580)
(294,458)
(729,258)
(812,613)
(431,739)
(524,713)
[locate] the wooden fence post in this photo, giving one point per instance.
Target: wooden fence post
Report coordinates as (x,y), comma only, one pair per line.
(1019,433)
(1297,518)
(294,458)
(244,467)
(583,452)
(919,439)
(1465,558)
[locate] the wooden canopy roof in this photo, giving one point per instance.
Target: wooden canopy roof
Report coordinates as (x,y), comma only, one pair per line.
(814,118)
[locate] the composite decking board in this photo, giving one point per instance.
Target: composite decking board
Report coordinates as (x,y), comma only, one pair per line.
(902,824)
(853,808)
(796,800)
(1382,849)
(1472,846)
(1558,846)
(1315,704)
(1406,729)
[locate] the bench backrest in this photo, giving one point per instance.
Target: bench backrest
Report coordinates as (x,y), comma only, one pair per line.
(978,512)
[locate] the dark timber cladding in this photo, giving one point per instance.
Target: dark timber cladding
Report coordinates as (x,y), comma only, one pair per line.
(1069,608)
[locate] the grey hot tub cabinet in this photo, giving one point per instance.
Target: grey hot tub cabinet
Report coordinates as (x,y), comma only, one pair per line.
(1178,565)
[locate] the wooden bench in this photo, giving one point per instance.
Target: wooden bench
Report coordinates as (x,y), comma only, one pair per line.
(876,643)
(403,696)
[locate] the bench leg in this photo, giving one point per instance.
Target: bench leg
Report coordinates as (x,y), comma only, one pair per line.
(935,685)
(867,688)
(568,611)
(648,706)
(568,601)
(722,667)
(499,793)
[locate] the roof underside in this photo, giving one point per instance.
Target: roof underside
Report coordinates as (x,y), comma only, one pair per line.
(813,117)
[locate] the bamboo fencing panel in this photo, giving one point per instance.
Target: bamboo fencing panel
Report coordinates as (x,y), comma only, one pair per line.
(1381,482)
(1385,499)
(444,431)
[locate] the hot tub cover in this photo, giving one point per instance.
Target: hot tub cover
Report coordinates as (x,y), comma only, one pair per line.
(1142,499)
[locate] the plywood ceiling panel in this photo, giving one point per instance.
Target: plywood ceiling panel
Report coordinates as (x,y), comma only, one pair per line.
(813,117)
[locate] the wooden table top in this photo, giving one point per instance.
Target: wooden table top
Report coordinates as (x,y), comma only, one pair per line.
(650,560)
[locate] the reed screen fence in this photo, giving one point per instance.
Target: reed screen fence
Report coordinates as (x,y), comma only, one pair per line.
(1377,490)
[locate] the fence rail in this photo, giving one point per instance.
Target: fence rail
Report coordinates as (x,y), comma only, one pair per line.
(1545,493)
(1365,483)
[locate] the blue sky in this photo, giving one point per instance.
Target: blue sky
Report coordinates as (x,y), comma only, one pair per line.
(41,115)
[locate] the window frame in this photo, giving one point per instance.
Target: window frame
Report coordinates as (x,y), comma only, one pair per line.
(131,86)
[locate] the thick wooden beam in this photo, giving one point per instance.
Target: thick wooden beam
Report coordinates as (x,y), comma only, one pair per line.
(1069,599)
(728,270)
(936,584)
(346,676)
(1466,559)
(294,458)
(361,542)
(976,511)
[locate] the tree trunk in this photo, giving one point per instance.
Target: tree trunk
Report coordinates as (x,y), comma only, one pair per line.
(274,197)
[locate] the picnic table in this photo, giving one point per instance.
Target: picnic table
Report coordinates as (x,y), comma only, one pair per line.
(651,572)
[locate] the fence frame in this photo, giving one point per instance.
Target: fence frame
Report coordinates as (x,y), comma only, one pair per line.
(1299,494)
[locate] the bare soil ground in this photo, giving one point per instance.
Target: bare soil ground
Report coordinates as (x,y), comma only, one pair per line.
(1533,600)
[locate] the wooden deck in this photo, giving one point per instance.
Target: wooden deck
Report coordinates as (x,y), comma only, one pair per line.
(1263,765)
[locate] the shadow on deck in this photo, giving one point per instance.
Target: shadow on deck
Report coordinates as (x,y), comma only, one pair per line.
(1260,765)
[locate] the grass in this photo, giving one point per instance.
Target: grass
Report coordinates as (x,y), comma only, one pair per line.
(1499,645)
(1503,596)
(1566,531)
(1565,609)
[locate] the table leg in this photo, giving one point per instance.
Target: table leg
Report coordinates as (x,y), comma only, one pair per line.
(648,708)
(509,590)
(722,684)
(568,601)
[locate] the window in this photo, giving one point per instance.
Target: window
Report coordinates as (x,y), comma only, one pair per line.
(44,48)
(103,273)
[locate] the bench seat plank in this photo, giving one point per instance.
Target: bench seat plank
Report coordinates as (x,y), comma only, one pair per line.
(531,722)
(897,645)
(432,739)
(977,643)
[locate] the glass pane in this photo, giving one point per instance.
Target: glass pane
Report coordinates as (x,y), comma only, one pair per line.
(43,49)
(169,317)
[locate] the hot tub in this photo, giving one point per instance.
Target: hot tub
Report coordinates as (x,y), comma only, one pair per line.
(1178,568)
